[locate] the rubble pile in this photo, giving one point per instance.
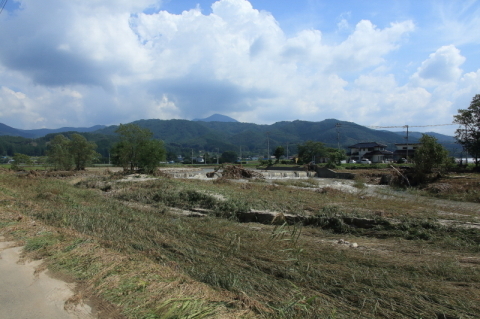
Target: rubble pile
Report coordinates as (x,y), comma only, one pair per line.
(237,172)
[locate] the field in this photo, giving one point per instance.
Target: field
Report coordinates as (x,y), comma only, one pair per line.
(157,247)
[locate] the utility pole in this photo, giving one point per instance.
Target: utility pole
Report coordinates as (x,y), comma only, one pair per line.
(240,155)
(287,151)
(338,135)
(268,146)
(407,143)
(217,154)
(192,156)
(466,152)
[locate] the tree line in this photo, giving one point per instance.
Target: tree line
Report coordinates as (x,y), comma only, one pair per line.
(136,150)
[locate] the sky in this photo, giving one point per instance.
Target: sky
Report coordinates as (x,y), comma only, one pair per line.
(375,63)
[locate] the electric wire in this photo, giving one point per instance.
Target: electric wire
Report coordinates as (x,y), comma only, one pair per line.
(2,5)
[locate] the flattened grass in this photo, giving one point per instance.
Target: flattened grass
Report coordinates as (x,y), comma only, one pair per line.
(269,271)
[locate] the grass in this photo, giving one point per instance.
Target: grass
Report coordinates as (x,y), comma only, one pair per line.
(129,244)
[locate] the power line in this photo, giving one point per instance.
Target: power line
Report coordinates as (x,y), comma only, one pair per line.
(2,5)
(370,126)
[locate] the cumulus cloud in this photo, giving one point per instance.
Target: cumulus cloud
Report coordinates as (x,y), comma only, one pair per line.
(106,62)
(368,45)
(443,66)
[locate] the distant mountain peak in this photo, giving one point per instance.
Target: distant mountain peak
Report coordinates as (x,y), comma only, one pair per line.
(216,118)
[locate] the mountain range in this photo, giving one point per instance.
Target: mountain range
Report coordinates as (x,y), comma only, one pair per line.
(7,130)
(222,133)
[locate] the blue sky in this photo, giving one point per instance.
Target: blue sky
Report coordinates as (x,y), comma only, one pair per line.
(379,63)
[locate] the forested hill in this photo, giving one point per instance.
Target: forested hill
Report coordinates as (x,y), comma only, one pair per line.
(208,136)
(183,136)
(36,133)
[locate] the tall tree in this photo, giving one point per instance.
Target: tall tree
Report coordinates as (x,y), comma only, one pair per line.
(82,151)
(310,150)
(469,135)
(279,152)
(137,149)
(58,153)
(430,157)
(335,155)
(228,157)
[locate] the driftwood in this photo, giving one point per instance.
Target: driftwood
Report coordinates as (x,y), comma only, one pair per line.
(403,176)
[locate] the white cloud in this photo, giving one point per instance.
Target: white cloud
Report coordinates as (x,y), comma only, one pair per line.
(458,21)
(343,25)
(105,62)
(443,66)
(368,45)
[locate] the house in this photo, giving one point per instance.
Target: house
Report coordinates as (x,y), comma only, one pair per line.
(373,151)
(405,150)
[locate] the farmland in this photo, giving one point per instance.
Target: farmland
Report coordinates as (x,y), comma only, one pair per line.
(160,247)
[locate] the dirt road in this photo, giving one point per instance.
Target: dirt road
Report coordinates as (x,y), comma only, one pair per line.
(26,295)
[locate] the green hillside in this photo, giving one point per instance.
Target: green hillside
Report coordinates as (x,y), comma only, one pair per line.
(181,137)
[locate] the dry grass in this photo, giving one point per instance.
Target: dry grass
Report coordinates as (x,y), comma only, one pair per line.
(155,264)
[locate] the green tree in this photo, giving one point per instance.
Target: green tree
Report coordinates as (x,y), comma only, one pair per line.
(228,157)
(19,159)
(82,151)
(335,155)
(469,135)
(430,157)
(207,158)
(310,150)
(137,149)
(279,152)
(59,154)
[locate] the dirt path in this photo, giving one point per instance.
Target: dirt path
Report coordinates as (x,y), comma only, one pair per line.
(26,295)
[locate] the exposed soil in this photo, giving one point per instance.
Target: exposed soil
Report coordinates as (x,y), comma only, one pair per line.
(29,292)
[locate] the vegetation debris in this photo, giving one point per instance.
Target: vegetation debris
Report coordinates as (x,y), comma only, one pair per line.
(238,172)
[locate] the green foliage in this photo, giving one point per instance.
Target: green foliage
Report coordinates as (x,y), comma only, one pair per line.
(469,135)
(137,149)
(228,157)
(66,154)
(82,151)
(310,150)
(430,156)
(19,159)
(59,154)
(279,152)
(151,154)
(335,155)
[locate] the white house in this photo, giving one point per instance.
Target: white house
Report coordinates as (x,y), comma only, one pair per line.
(405,150)
(373,151)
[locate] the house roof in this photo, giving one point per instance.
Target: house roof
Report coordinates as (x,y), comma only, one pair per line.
(367,145)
